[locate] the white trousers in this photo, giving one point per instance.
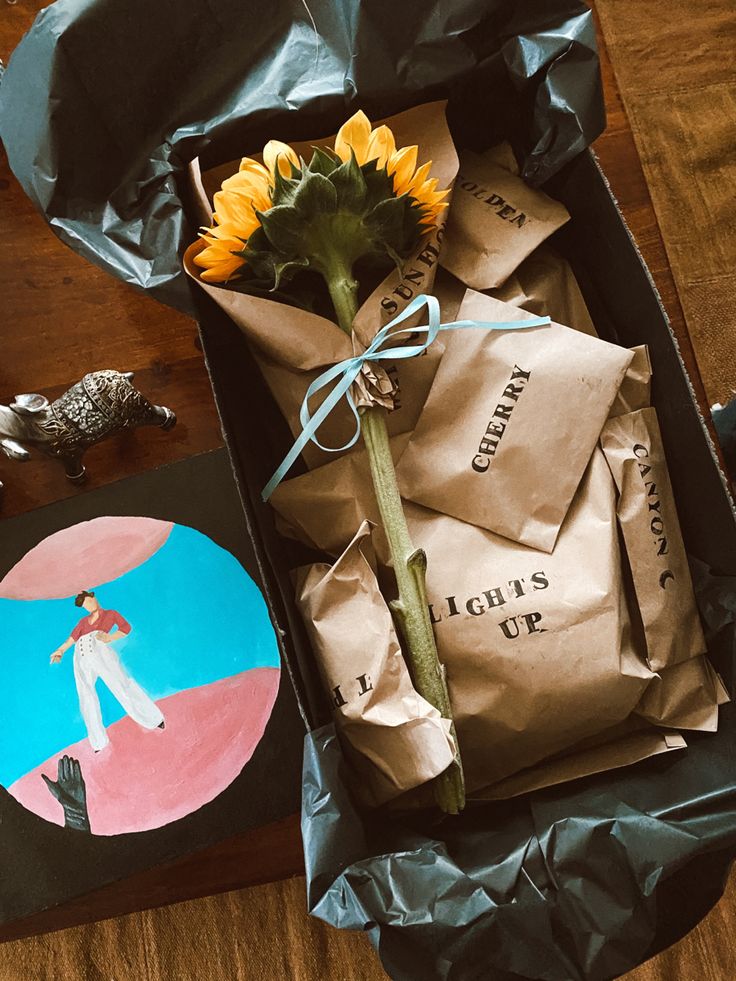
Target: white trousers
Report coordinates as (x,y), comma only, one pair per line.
(94,659)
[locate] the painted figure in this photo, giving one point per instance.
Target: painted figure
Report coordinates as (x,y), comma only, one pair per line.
(94,658)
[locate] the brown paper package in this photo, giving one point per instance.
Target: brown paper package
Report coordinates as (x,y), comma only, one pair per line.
(647,514)
(684,696)
(502,155)
(537,647)
(507,452)
(544,284)
(495,222)
(377,710)
(636,388)
(322,508)
(622,749)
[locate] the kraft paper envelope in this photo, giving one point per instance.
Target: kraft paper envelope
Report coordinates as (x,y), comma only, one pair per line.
(510,423)
(496,221)
(632,444)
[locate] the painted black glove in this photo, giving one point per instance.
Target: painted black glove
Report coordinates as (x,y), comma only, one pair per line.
(71,793)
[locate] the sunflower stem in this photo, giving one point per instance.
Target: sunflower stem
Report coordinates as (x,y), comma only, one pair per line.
(343,293)
(410,609)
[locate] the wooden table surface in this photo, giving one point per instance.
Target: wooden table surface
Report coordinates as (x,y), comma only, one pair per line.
(61,316)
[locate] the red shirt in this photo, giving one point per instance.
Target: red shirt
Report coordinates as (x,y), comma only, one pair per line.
(105,621)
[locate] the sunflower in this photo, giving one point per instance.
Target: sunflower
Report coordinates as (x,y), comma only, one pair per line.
(378,173)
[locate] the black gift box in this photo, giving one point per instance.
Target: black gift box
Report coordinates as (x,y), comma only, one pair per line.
(583,880)
(580,881)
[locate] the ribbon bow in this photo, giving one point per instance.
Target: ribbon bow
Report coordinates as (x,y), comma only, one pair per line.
(345,373)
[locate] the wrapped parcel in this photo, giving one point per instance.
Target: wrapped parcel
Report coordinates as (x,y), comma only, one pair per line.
(510,423)
(496,222)
(648,516)
(538,648)
(399,739)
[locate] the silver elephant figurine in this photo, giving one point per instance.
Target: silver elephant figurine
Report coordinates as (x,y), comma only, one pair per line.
(102,404)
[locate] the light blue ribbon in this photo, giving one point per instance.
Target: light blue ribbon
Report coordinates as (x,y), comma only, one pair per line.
(345,373)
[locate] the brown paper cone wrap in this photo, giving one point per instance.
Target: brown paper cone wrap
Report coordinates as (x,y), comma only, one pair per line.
(506,451)
(648,517)
(412,380)
(403,738)
(496,221)
(293,346)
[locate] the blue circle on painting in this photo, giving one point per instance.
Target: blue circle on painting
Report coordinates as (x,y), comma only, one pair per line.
(144,702)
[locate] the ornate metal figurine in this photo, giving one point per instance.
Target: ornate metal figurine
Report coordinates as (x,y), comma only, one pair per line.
(102,404)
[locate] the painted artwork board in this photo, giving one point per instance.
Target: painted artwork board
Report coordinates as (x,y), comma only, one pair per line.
(143,711)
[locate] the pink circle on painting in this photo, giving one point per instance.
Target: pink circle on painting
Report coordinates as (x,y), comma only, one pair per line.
(205,685)
(83,556)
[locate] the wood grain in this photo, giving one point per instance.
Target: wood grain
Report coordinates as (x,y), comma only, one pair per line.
(61,316)
(678,78)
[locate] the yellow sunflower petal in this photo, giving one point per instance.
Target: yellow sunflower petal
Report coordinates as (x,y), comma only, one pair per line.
(402,165)
(420,177)
(381,146)
(355,134)
(235,208)
(276,150)
(436,197)
(252,184)
(217,259)
(432,214)
(223,271)
(251,166)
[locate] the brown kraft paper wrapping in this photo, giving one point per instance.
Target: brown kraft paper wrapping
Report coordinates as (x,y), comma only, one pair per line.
(506,451)
(501,155)
(376,707)
(323,507)
(648,517)
(622,750)
(293,345)
(410,381)
(495,222)
(636,388)
(537,647)
(544,284)
(684,696)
